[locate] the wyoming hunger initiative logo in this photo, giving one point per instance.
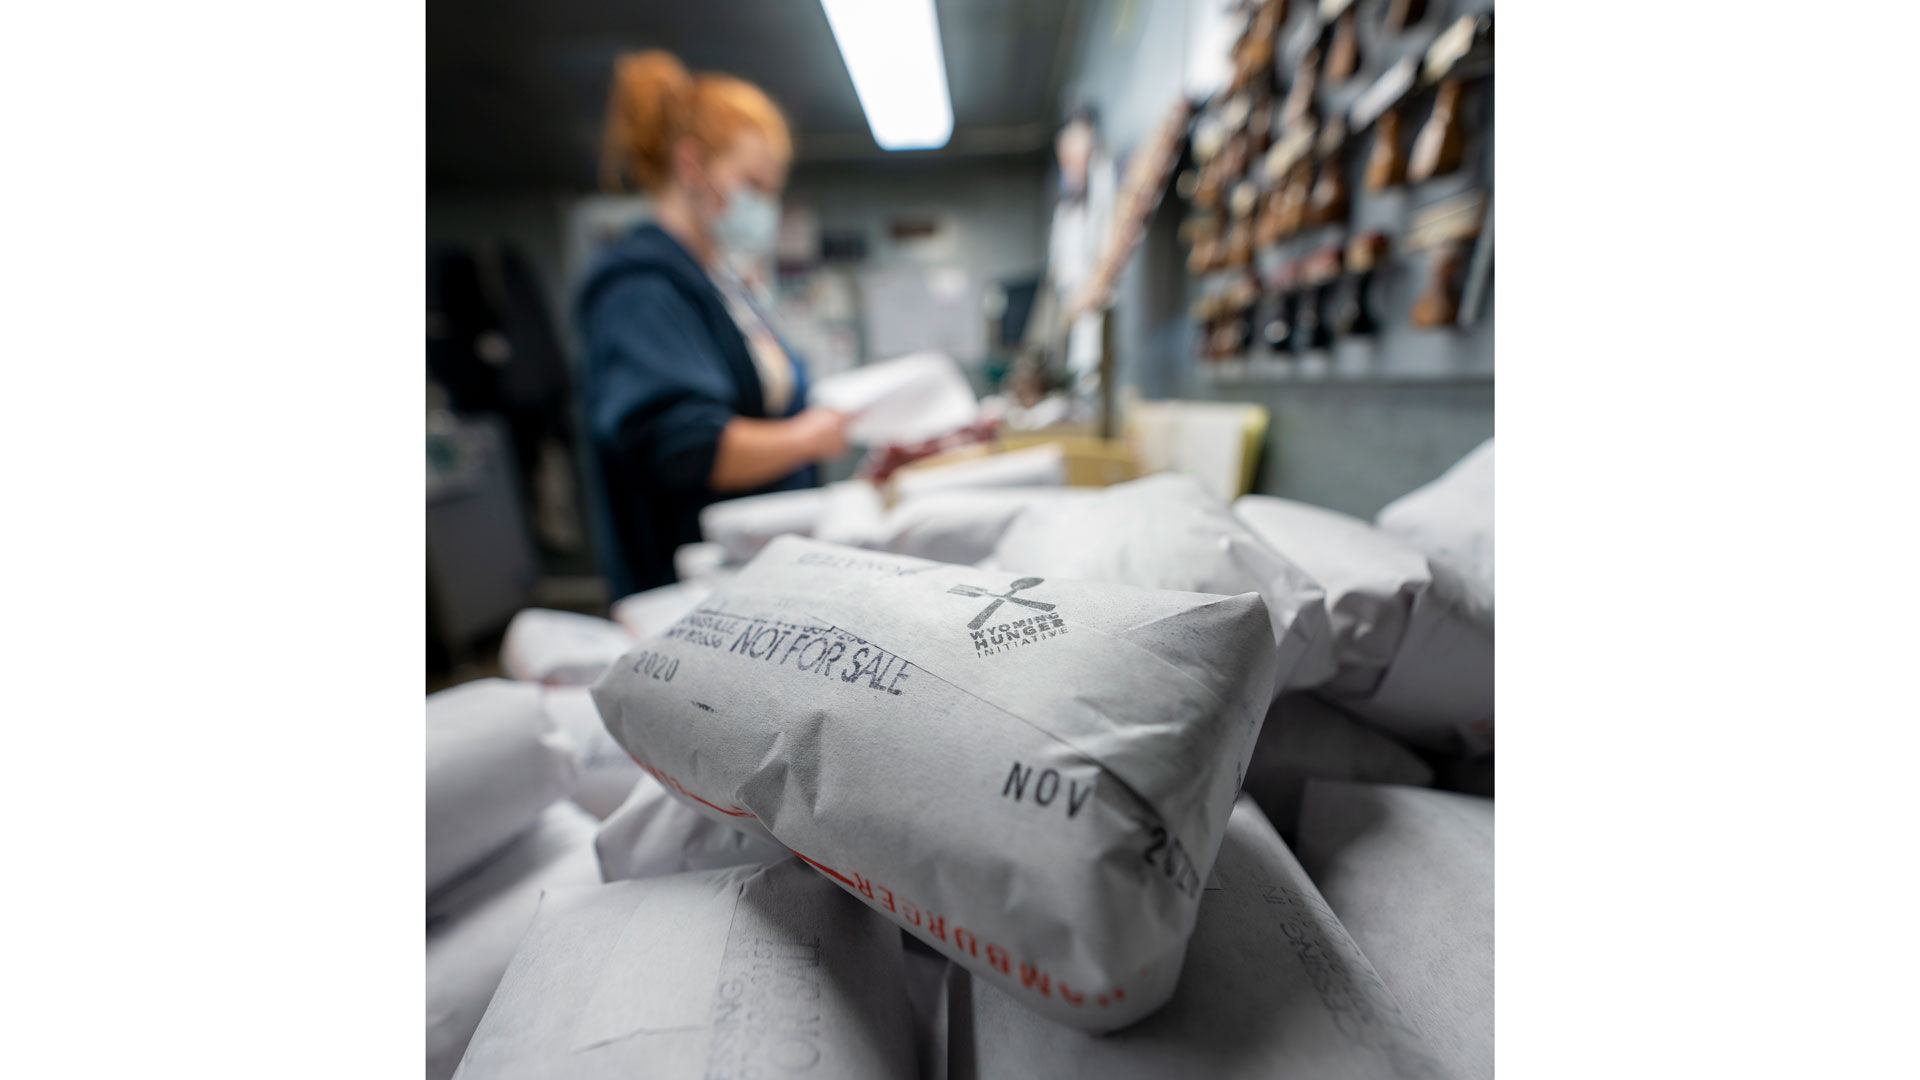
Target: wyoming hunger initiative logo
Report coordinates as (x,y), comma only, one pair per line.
(988,640)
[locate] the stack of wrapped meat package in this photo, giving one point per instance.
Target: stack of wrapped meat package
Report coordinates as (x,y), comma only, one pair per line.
(1001,780)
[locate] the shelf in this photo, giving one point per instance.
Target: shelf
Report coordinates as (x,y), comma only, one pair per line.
(1346,366)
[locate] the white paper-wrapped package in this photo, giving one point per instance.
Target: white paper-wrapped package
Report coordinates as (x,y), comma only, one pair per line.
(1029,774)
(1409,871)
(696,561)
(1305,738)
(1036,466)
(494,761)
(1439,691)
(1274,989)
(1451,518)
(850,514)
(473,929)
(929,979)
(906,400)
(647,613)
(653,833)
(564,648)
(962,525)
(745,525)
(603,774)
(1168,532)
(1414,639)
(746,972)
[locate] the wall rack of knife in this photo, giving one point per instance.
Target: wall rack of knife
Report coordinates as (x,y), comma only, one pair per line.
(1340,194)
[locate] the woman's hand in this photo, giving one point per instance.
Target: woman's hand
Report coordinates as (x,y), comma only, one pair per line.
(753,453)
(821,433)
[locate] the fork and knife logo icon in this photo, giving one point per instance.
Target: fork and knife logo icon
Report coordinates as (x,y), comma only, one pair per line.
(1007,597)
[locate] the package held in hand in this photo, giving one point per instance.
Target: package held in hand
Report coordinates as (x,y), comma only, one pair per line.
(1030,775)
(905,400)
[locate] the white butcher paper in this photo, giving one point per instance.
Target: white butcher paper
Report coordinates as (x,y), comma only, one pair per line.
(701,559)
(906,400)
(1413,635)
(644,614)
(1168,532)
(474,928)
(563,648)
(1370,578)
(1452,517)
(850,514)
(1273,988)
(748,971)
(603,773)
(654,833)
(1030,775)
(494,761)
(1410,873)
(1439,691)
(961,525)
(1036,466)
(1305,738)
(928,977)
(745,525)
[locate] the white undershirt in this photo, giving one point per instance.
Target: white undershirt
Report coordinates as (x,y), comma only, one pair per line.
(771,361)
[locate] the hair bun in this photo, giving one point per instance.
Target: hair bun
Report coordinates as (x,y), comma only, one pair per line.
(655,105)
(647,111)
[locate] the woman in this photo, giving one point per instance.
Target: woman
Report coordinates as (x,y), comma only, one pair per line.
(691,395)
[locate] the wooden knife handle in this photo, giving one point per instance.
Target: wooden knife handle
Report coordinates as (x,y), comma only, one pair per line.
(1387,165)
(1404,13)
(1343,54)
(1439,303)
(1329,202)
(1438,149)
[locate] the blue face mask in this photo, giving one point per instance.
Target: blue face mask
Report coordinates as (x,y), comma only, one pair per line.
(750,225)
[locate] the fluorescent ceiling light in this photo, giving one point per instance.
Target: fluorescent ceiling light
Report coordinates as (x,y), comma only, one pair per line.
(892,50)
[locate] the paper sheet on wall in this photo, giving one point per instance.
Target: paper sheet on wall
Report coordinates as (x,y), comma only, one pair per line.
(909,308)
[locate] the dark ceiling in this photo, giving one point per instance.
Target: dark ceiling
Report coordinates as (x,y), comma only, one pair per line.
(516,89)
